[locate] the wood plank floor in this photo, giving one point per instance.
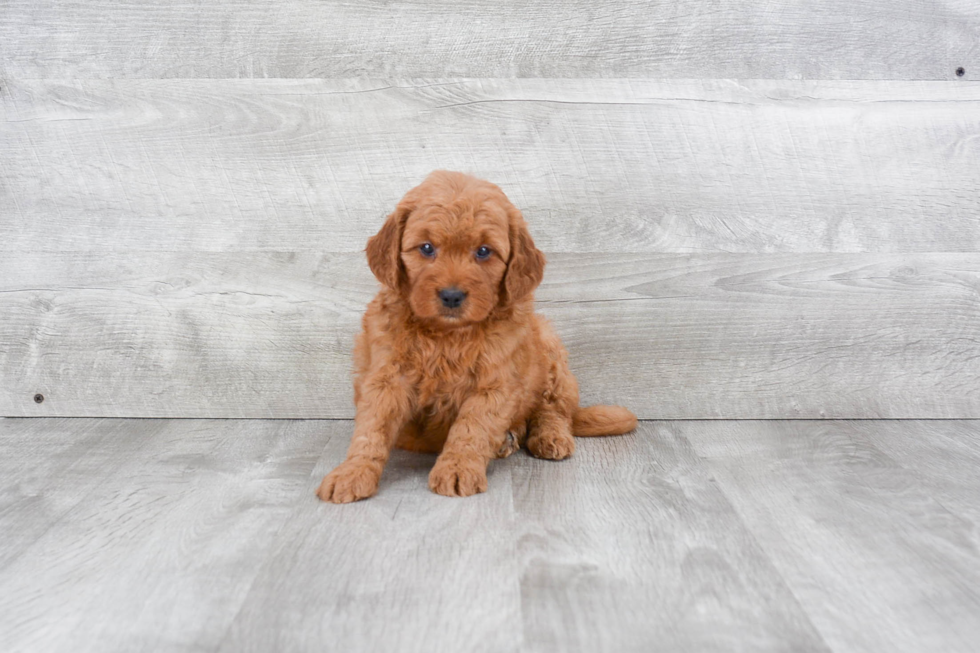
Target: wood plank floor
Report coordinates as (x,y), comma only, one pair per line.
(205,535)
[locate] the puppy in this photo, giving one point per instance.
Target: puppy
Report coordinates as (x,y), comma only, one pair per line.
(452,358)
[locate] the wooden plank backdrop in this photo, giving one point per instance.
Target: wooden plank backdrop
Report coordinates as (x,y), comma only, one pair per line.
(596,165)
(751,210)
(843,39)
(267,334)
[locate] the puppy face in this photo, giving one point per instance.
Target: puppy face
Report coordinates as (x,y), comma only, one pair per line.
(455,255)
(456,248)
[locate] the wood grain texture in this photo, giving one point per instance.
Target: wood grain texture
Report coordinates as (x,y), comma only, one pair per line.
(48,467)
(206,535)
(630,546)
(945,454)
(157,334)
(859,538)
(160,553)
(860,39)
(407,570)
(270,334)
(596,165)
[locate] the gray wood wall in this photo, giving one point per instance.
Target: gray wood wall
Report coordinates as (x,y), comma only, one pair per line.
(750,210)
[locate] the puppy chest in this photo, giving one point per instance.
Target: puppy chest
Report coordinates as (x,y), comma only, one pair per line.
(443,385)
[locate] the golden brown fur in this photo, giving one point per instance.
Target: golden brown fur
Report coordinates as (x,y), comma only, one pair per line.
(470,382)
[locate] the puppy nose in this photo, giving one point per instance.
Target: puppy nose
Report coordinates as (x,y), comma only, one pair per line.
(452,297)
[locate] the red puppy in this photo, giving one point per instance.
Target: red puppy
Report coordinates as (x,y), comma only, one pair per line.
(452,359)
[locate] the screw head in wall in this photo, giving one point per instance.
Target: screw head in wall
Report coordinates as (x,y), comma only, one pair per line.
(38,398)
(960,71)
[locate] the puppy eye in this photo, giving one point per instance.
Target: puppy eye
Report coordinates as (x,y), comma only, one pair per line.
(427,249)
(483,253)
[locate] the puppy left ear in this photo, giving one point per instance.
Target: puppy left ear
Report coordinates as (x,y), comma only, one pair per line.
(526,266)
(385,247)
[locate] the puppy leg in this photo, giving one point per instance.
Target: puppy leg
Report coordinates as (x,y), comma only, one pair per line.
(551,434)
(513,439)
(461,469)
(383,408)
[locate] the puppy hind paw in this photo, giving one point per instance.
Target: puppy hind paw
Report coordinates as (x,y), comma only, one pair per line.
(510,445)
(551,448)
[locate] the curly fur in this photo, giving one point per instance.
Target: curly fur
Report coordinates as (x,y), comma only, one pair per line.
(470,383)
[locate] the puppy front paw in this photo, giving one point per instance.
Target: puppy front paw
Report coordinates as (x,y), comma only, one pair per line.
(458,477)
(350,481)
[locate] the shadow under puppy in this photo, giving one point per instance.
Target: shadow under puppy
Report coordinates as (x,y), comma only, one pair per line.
(452,358)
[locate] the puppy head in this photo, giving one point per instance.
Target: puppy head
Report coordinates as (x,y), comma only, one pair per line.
(456,248)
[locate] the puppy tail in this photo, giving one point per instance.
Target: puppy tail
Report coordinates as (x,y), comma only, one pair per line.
(602,420)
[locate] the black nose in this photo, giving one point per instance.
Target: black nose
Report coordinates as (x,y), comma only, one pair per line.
(452,297)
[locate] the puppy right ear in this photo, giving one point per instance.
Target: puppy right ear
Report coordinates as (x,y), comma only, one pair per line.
(385,247)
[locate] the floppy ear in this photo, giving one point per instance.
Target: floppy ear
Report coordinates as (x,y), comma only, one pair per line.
(526,266)
(385,247)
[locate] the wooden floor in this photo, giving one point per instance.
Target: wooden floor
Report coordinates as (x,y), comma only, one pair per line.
(205,535)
